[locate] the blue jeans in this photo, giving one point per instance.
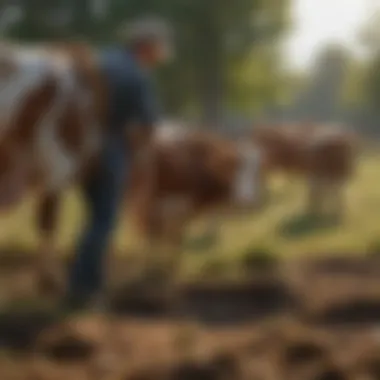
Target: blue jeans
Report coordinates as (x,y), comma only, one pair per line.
(103,193)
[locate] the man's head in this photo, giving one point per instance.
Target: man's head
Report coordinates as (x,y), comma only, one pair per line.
(150,40)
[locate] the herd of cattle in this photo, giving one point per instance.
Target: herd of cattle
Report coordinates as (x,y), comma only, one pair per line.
(53,104)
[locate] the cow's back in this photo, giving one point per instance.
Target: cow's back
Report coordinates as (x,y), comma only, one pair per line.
(321,150)
(284,148)
(24,72)
(179,167)
(331,154)
(195,168)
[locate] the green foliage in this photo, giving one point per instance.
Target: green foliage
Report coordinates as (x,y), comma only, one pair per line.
(361,88)
(215,267)
(321,98)
(214,40)
(373,83)
(373,248)
(252,233)
(369,36)
(353,91)
(370,78)
(258,258)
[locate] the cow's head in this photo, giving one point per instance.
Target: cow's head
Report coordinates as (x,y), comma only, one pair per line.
(238,168)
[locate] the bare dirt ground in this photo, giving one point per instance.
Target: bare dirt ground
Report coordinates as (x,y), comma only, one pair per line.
(305,319)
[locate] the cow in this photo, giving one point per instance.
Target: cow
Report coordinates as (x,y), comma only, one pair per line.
(180,175)
(324,154)
(189,173)
(52,110)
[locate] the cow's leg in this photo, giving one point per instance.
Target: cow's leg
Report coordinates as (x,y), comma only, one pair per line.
(315,196)
(173,245)
(50,281)
(212,230)
(147,220)
(146,212)
(14,176)
(173,237)
(177,213)
(337,202)
(151,254)
(340,203)
(164,238)
(12,190)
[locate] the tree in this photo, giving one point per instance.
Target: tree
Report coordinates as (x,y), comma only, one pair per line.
(213,37)
(371,39)
(369,36)
(361,90)
(214,40)
(321,99)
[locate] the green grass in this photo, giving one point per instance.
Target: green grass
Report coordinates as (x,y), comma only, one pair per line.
(360,229)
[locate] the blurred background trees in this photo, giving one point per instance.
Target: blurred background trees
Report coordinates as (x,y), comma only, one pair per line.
(229,62)
(221,45)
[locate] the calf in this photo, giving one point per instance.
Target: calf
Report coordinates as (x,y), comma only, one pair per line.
(189,173)
(325,155)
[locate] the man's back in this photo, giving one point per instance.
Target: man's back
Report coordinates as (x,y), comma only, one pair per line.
(130,100)
(122,76)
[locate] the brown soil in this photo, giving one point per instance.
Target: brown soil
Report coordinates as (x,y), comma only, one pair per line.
(312,319)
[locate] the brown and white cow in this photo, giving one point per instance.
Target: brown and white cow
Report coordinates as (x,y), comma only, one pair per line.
(52,104)
(324,154)
(189,173)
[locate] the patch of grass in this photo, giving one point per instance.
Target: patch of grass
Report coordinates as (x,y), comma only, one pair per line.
(201,242)
(259,258)
(360,224)
(304,224)
(214,267)
(373,248)
(360,227)
(186,339)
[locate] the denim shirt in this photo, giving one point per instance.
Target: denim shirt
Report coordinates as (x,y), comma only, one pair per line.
(131,96)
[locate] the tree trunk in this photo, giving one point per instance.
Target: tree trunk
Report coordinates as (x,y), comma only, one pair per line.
(211,88)
(212,100)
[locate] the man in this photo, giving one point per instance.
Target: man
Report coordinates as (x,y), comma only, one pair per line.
(145,44)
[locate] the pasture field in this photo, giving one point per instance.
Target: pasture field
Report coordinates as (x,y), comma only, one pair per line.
(316,319)
(280,227)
